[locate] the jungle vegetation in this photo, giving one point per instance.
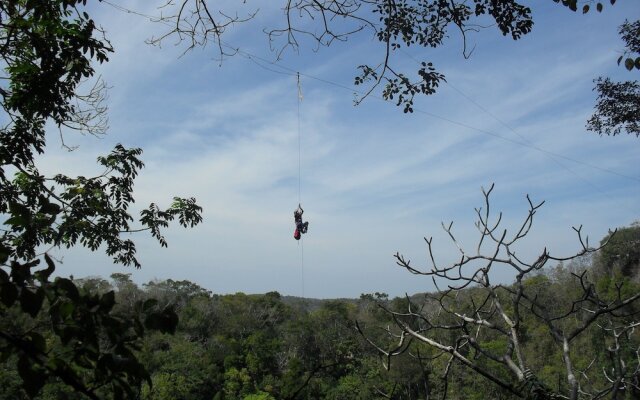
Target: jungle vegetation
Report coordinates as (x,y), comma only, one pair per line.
(566,327)
(268,346)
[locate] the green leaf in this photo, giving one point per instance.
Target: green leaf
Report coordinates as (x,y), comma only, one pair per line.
(16,220)
(573,5)
(5,353)
(68,287)
(66,310)
(67,333)
(149,304)
(8,293)
(629,64)
(138,328)
(33,376)
(585,9)
(164,321)
(637,63)
(37,341)
(18,209)
(107,301)
(50,208)
(4,277)
(599,7)
(83,361)
(21,272)
(4,253)
(31,302)
(44,275)
(55,363)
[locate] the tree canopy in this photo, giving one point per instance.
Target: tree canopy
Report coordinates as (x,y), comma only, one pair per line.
(48,52)
(269,346)
(618,104)
(106,340)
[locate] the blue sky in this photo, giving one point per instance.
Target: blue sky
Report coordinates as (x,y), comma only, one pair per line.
(374,181)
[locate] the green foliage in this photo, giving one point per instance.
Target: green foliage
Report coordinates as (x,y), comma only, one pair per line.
(617,108)
(299,354)
(425,24)
(259,396)
(618,105)
(167,387)
(622,252)
(265,347)
(630,34)
(65,332)
(177,362)
(84,344)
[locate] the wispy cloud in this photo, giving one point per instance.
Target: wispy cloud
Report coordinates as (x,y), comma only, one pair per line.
(374,181)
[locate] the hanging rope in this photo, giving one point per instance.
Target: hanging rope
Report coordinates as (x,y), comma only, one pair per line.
(301,242)
(302,267)
(299,141)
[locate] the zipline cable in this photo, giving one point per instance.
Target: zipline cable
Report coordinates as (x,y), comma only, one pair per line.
(301,242)
(299,143)
(299,101)
(284,70)
(553,157)
(260,62)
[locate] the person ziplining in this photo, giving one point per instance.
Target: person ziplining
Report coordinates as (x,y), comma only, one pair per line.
(301,227)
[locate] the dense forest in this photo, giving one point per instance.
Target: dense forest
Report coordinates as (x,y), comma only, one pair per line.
(241,346)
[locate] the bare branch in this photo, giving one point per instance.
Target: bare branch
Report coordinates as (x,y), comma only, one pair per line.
(472,314)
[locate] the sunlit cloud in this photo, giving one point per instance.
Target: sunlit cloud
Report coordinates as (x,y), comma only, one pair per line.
(374,181)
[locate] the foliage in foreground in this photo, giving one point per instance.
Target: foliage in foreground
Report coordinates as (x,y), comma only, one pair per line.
(272,347)
(51,328)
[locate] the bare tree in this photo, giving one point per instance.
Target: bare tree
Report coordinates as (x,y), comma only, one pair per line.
(470,313)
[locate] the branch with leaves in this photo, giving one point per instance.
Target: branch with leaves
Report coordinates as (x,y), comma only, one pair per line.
(321,23)
(47,51)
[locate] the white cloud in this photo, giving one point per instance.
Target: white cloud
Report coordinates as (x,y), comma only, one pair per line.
(374,181)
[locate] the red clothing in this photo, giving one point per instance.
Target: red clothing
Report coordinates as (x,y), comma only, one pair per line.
(300,226)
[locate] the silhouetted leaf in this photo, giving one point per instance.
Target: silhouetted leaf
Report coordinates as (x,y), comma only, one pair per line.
(8,293)
(4,253)
(37,341)
(629,64)
(66,309)
(107,301)
(50,208)
(149,304)
(164,321)
(16,220)
(30,301)
(33,376)
(46,273)
(68,287)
